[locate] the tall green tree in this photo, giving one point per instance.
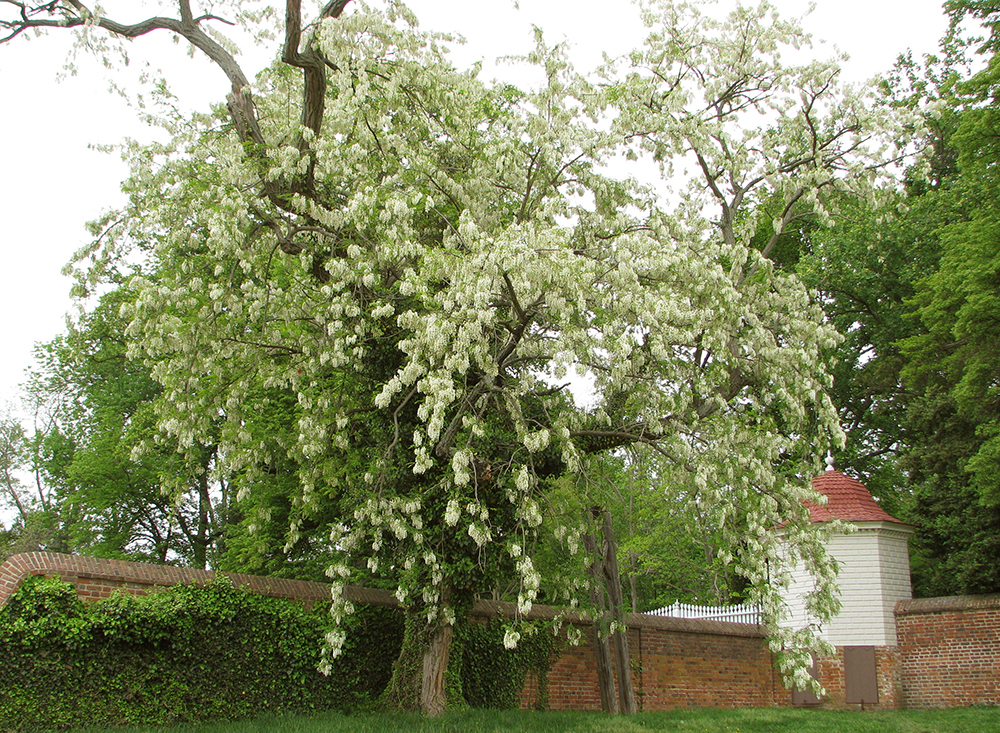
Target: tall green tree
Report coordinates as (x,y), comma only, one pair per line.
(953,362)
(101,460)
(425,261)
(960,304)
(911,286)
(867,269)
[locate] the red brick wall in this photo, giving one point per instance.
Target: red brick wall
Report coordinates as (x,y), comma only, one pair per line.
(705,664)
(949,651)
(673,666)
(676,662)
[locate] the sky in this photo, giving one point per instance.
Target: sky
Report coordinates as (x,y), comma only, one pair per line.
(53,180)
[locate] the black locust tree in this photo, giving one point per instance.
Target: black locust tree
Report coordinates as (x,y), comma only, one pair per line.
(427,263)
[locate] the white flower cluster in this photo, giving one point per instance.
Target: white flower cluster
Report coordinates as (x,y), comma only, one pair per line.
(452,513)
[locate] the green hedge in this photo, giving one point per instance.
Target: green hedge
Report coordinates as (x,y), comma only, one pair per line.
(182,654)
(188,654)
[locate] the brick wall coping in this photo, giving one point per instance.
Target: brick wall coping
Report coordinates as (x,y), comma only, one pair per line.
(17,568)
(70,567)
(915,606)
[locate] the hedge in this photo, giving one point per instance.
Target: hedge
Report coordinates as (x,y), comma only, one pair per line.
(180,654)
(190,654)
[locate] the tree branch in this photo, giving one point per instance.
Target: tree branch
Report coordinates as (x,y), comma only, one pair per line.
(242,111)
(310,60)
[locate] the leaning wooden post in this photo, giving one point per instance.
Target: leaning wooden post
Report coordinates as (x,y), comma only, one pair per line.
(602,618)
(626,693)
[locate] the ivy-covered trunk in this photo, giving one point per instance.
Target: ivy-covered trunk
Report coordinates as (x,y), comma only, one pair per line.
(420,677)
(433,688)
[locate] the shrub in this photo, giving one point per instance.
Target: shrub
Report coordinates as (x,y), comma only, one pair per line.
(179,654)
(190,654)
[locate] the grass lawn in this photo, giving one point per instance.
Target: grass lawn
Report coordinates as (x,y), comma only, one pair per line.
(761,720)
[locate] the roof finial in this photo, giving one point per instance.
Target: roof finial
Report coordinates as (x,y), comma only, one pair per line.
(829,461)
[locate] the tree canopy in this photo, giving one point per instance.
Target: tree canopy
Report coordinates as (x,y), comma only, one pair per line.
(912,287)
(388,279)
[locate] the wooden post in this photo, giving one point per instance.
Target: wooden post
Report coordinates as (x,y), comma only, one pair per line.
(626,693)
(602,648)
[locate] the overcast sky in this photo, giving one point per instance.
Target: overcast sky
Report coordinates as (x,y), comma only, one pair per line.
(52,182)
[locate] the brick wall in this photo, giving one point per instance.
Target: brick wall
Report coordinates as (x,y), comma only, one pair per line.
(96,578)
(949,651)
(676,662)
(685,662)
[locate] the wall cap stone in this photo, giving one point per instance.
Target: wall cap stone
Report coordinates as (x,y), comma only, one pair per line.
(946,604)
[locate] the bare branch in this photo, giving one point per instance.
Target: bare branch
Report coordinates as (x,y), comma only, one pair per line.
(310,60)
(73,14)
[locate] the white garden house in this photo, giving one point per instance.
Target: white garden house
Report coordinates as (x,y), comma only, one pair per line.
(874,567)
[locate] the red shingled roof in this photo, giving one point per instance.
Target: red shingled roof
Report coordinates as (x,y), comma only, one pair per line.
(847,499)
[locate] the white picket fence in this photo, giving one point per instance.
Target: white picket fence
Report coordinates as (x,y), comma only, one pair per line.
(744,614)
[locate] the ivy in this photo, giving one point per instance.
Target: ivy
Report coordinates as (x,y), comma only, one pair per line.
(493,675)
(190,654)
(182,654)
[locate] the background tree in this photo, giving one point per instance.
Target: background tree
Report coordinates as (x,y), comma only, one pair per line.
(910,283)
(40,518)
(670,548)
(100,453)
(953,361)
(12,460)
(12,492)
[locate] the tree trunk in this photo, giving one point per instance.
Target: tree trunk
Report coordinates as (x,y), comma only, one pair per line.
(633,580)
(433,693)
(420,673)
(203,538)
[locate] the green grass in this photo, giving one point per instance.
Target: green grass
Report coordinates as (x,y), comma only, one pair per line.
(695,720)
